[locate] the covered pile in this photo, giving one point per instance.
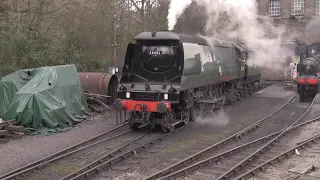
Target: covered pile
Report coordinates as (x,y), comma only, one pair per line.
(46,97)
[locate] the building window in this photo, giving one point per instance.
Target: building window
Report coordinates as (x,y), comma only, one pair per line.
(274,7)
(318,7)
(297,7)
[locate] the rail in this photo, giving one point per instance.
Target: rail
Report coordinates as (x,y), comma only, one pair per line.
(60,154)
(198,155)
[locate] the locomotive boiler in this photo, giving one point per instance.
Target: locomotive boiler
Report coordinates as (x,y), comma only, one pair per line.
(308,72)
(170,78)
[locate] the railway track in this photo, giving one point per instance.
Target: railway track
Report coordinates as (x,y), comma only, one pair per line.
(105,162)
(91,170)
(273,158)
(245,150)
(221,150)
(301,161)
(266,150)
(79,149)
(106,159)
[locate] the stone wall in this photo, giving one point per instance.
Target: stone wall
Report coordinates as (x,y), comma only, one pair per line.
(294,25)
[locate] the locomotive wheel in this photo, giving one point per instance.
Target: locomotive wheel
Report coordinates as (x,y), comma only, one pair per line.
(187,116)
(170,128)
(220,104)
(301,97)
(246,92)
(134,126)
(251,91)
(167,127)
(194,113)
(302,94)
(230,96)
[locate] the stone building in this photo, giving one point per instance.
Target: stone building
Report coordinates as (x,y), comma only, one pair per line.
(293,14)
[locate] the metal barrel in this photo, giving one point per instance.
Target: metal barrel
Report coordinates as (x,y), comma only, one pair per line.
(100,83)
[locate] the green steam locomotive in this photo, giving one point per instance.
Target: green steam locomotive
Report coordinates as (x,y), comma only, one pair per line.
(170,78)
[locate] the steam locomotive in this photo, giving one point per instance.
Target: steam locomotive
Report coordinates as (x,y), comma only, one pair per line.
(170,78)
(308,71)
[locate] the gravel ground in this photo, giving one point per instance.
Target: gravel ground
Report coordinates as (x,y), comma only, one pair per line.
(74,162)
(17,153)
(287,115)
(207,131)
(282,170)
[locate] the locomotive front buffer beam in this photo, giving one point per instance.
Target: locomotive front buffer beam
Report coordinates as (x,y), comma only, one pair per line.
(143,113)
(307,88)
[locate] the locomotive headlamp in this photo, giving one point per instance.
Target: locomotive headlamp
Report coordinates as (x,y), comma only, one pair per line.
(128,95)
(166,96)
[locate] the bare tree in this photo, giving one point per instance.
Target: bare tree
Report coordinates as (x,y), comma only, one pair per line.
(49,32)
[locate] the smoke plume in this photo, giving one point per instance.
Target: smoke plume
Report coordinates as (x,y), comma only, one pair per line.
(239,20)
(175,10)
(313,30)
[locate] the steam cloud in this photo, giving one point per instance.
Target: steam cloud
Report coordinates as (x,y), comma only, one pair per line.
(218,118)
(242,23)
(176,9)
(313,30)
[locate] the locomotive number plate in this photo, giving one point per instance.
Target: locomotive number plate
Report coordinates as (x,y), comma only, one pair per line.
(155,52)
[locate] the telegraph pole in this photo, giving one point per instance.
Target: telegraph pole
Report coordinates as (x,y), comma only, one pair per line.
(114,45)
(115,40)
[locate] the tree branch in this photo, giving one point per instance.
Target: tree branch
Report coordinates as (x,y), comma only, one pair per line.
(135,5)
(28,11)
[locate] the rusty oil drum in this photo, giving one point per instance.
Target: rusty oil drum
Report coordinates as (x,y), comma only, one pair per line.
(100,83)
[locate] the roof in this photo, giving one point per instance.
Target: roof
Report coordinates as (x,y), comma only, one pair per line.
(168,35)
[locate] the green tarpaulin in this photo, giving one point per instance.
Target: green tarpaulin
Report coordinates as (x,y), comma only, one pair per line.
(46,97)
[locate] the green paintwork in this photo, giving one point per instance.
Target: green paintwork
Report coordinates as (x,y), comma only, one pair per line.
(194,77)
(253,70)
(199,72)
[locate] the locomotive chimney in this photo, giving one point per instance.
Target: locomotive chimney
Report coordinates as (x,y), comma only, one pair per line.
(154,34)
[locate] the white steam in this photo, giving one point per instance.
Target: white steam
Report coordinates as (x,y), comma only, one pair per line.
(217,118)
(313,30)
(239,20)
(175,10)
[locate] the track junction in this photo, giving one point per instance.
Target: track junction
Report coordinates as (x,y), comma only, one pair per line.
(118,153)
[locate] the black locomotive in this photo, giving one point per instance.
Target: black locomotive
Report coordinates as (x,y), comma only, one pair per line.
(169,78)
(308,71)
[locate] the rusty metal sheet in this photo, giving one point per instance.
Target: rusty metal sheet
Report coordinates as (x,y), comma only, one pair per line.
(100,83)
